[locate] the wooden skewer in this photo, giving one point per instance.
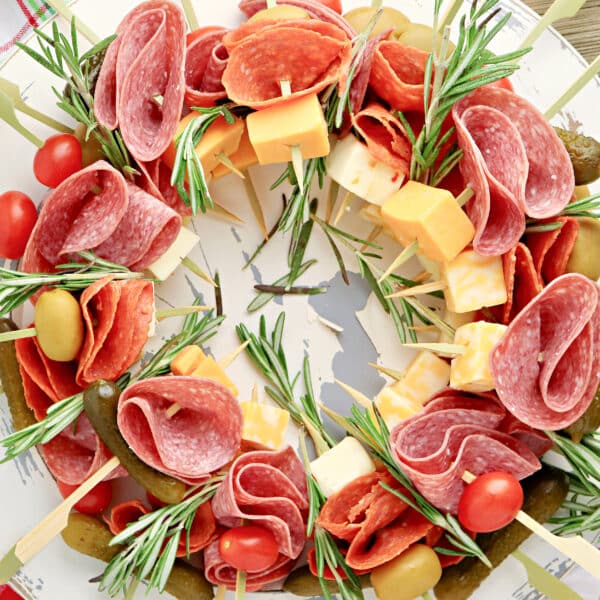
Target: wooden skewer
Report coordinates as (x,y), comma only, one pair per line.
(439,348)
(357,396)
(465,196)
(403,257)
(373,235)
(449,15)
(576,548)
(196,270)
(221,592)
(65,12)
(393,373)
(7,114)
(426,288)
(348,197)
(297,160)
(221,211)
(190,14)
(31,543)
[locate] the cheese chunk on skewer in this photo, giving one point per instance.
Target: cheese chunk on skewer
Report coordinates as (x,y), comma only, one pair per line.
(455,320)
(243,158)
(264,426)
(164,266)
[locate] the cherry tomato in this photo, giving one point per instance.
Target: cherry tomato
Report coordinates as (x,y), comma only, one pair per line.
(490,502)
(504,84)
(94,502)
(91,151)
(249,548)
(59,157)
(7,593)
(18,218)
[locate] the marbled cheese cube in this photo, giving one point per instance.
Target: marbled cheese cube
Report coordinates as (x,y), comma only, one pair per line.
(210,369)
(394,407)
(470,371)
(264,426)
(455,320)
(473,281)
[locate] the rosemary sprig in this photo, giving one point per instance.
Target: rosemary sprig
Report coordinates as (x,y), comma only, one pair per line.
(187,167)
(586,207)
(16,287)
(450,77)
(196,329)
(583,511)
(375,435)
(60,56)
(152,542)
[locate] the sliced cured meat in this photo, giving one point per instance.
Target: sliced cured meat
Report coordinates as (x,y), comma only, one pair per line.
(203,436)
(378,525)
(81,213)
(205,62)
(310,54)
(156,180)
(314,8)
(117,316)
(144,61)
(457,432)
(523,283)
(77,453)
(202,531)
(494,165)
(546,368)
(385,136)
(397,74)
(551,249)
(537,440)
(268,489)
(147,230)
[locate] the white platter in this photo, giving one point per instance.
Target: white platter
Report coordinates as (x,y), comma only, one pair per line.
(29,491)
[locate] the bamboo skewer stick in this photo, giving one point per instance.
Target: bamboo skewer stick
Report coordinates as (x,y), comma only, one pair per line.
(190,14)
(348,197)
(297,160)
(65,12)
(404,256)
(449,14)
(7,114)
(426,288)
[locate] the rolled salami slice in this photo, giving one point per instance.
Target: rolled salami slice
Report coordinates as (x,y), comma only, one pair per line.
(551,249)
(546,368)
(310,54)
(156,180)
(378,525)
(146,60)
(457,432)
(203,436)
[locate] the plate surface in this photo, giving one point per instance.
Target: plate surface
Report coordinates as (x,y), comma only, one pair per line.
(59,572)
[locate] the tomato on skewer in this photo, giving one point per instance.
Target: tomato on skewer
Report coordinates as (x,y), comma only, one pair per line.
(59,157)
(249,548)
(18,216)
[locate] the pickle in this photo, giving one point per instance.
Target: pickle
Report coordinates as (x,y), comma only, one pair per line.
(100,404)
(588,422)
(90,536)
(12,384)
(302,582)
(584,153)
(544,494)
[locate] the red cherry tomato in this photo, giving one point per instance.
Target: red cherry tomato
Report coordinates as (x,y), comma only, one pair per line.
(249,548)
(59,157)
(94,502)
(7,593)
(504,84)
(490,502)
(18,216)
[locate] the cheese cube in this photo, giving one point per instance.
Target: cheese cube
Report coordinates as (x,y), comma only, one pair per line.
(394,406)
(431,266)
(210,369)
(426,375)
(187,360)
(432,217)
(342,464)
(164,266)
(473,281)
(352,166)
(470,371)
(298,122)
(242,158)
(264,426)
(455,320)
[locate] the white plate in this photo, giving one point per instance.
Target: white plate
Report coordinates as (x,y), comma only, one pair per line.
(29,491)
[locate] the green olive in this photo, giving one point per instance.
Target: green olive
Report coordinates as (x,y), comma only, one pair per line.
(584,153)
(585,257)
(91,151)
(301,582)
(59,325)
(280,12)
(421,37)
(390,18)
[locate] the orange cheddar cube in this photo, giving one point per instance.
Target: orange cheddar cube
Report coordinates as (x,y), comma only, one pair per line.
(187,360)
(210,369)
(264,426)
(242,158)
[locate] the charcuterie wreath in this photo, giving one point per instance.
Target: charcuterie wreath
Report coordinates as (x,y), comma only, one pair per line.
(402,152)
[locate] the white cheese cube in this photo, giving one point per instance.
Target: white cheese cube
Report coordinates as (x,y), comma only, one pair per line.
(470,371)
(184,243)
(473,281)
(342,464)
(354,168)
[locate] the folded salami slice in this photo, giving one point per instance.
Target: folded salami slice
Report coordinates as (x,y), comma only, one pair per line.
(378,525)
(146,60)
(385,136)
(203,436)
(397,74)
(205,62)
(314,8)
(457,432)
(202,531)
(310,54)
(522,283)
(551,249)
(546,368)
(156,180)
(145,232)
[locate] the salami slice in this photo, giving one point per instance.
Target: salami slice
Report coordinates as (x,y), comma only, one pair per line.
(146,60)
(385,136)
(147,230)
(205,62)
(551,249)
(310,54)
(156,180)
(397,74)
(457,432)
(546,368)
(378,525)
(203,436)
